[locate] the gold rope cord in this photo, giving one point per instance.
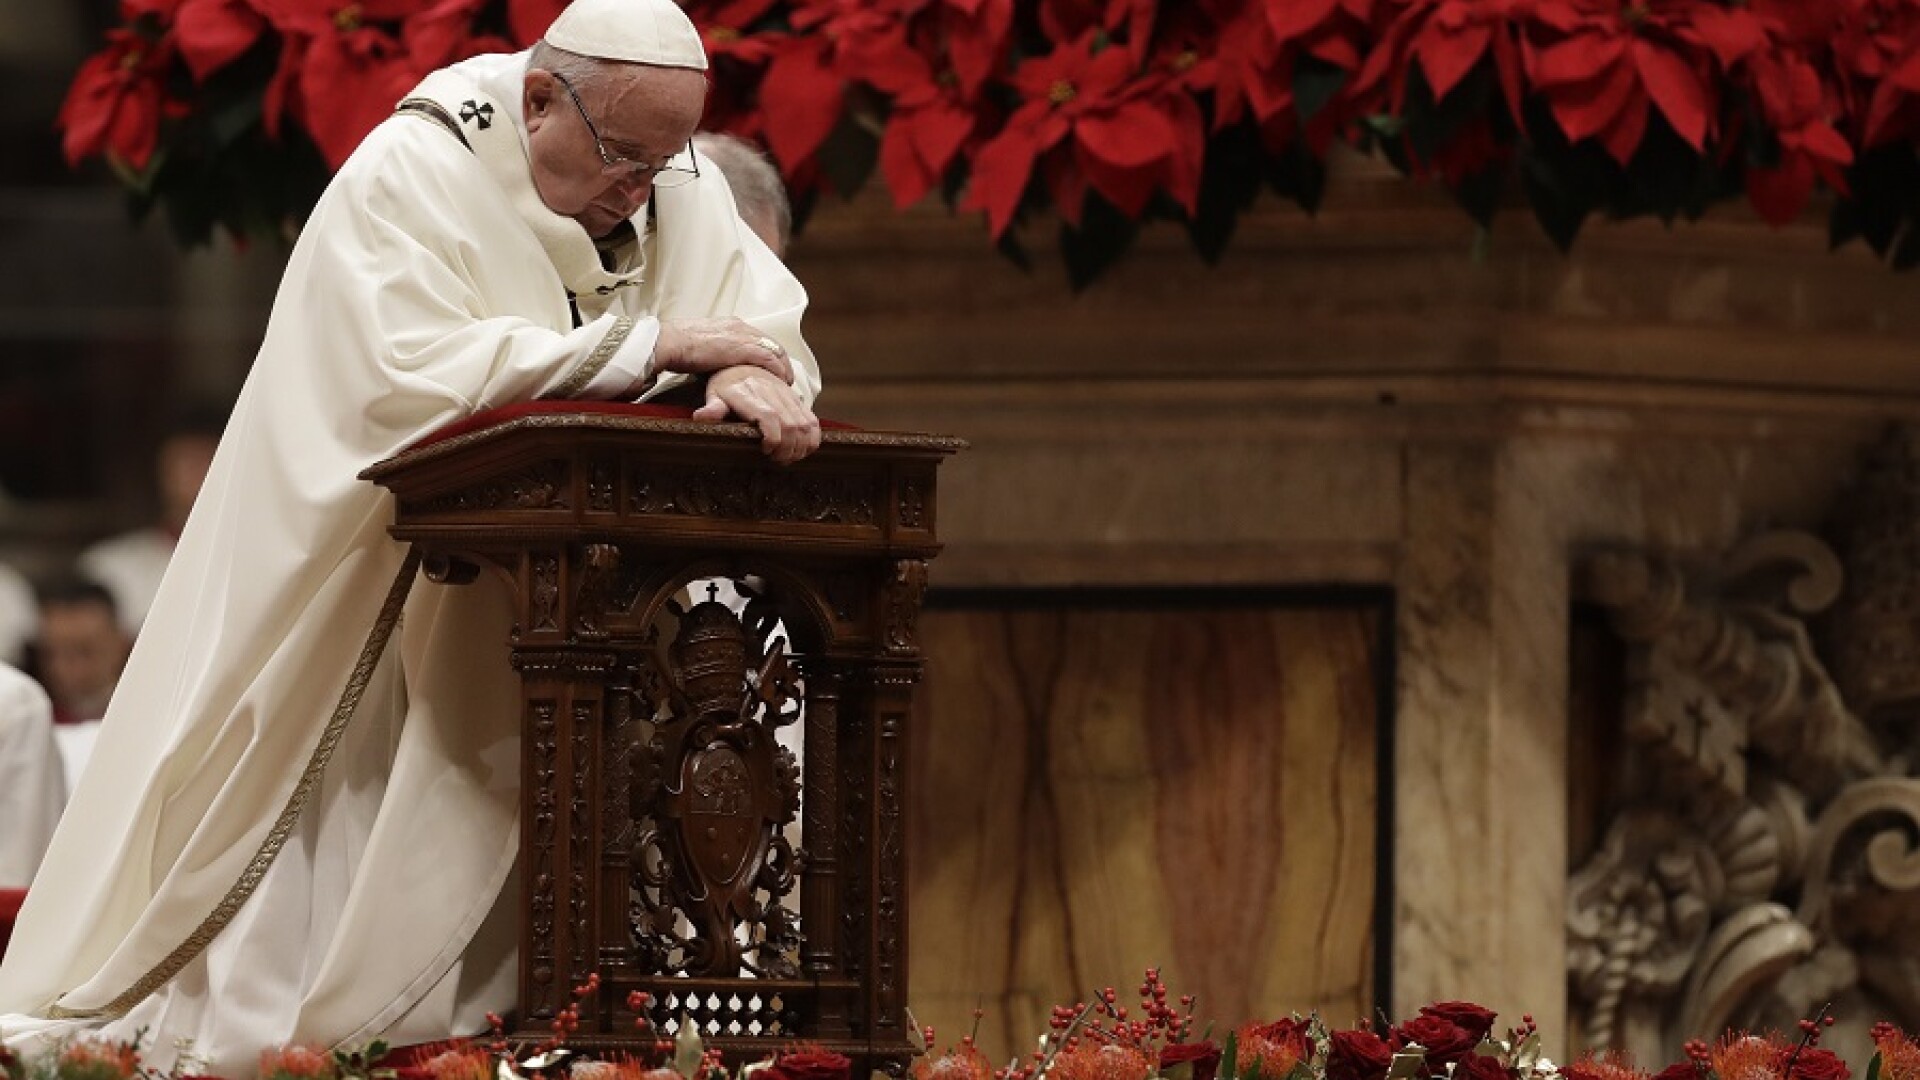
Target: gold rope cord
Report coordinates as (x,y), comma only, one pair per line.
(595,360)
(303,791)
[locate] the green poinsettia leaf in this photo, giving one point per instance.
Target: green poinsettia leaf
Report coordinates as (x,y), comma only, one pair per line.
(1385,125)
(1298,175)
(1011,249)
(233,118)
(1315,84)
(1229,182)
(1906,252)
(849,154)
(1103,237)
(1432,125)
(1560,207)
(1479,195)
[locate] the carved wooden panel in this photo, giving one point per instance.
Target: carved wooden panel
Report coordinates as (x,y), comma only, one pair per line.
(659,847)
(1100,790)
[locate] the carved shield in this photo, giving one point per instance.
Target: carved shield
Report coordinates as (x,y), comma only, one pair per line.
(720,822)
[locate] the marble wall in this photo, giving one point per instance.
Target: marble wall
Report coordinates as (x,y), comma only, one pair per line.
(1107,783)
(1360,399)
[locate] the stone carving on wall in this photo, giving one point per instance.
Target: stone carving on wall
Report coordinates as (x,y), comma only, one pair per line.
(1765,858)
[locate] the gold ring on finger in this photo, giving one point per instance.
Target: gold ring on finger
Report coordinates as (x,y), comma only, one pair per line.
(771,346)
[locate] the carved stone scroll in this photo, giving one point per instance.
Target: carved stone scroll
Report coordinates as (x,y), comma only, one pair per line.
(1767,860)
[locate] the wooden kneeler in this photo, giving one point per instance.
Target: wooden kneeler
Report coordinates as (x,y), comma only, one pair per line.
(657,802)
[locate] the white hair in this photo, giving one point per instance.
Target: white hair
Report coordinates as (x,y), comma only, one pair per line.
(754,179)
(581,71)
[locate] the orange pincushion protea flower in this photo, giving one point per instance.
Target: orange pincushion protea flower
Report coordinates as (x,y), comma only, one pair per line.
(619,1069)
(1262,1055)
(1097,1061)
(1899,1055)
(297,1062)
(960,1063)
(462,1063)
(91,1060)
(1745,1057)
(1608,1065)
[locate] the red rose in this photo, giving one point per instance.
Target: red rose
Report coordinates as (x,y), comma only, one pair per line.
(1814,1063)
(1444,1041)
(1480,1067)
(809,1065)
(1203,1056)
(1474,1019)
(1358,1055)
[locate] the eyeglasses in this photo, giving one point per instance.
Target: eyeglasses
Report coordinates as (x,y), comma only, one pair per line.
(679,169)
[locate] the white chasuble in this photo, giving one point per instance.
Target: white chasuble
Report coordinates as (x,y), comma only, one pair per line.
(33,785)
(304,800)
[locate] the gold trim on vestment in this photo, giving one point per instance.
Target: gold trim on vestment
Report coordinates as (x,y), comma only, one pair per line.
(595,360)
(303,791)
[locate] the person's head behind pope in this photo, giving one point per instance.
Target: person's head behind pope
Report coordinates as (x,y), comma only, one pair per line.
(613,94)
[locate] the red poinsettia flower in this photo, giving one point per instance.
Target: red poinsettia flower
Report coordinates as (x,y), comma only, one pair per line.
(214,33)
(726,29)
(117,100)
(1121,139)
(1602,65)
(342,75)
(1448,39)
(738,55)
(973,35)
(931,119)
(1796,108)
(156,12)
(1335,31)
(1246,75)
(1127,21)
(1260,48)
(527,20)
(1875,50)
(442,34)
(1186,43)
(805,86)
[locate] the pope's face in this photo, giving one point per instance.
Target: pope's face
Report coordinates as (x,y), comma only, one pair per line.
(643,114)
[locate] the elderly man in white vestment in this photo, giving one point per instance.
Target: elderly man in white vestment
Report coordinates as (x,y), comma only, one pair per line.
(303,807)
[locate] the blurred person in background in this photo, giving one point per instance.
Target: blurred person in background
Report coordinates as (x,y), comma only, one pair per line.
(19,616)
(131,564)
(80,649)
(33,788)
(757,190)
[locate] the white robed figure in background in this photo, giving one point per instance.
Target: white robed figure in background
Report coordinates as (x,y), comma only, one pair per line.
(33,787)
(304,804)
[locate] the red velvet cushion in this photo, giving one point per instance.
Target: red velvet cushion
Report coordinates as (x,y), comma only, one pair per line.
(505,413)
(10,901)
